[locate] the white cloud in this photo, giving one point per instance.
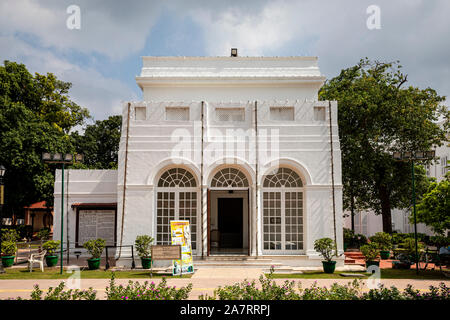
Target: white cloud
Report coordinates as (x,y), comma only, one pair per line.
(414,32)
(113,29)
(101,95)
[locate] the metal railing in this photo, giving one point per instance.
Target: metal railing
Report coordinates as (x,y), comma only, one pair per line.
(133,264)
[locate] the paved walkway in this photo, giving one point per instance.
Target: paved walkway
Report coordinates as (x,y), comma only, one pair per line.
(204,281)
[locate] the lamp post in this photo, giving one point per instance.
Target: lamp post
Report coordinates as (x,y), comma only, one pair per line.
(59,158)
(2,201)
(414,156)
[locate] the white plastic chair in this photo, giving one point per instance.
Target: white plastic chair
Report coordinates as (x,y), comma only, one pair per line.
(37,258)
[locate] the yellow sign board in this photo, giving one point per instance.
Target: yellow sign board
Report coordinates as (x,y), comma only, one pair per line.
(181,235)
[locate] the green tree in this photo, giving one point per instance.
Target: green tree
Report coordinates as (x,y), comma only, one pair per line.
(377,115)
(434,209)
(100,143)
(36,115)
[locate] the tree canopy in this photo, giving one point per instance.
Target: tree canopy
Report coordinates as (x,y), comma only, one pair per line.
(36,115)
(378,115)
(100,143)
(434,209)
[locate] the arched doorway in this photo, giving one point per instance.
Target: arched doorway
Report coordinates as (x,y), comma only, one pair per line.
(177,199)
(228,212)
(282,211)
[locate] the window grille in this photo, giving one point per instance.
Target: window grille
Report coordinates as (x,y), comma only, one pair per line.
(177,113)
(140,113)
(230,114)
(282,211)
(229,178)
(282,177)
(176,200)
(282,113)
(319,114)
(177,177)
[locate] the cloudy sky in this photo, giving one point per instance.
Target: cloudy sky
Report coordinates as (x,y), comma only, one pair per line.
(102,58)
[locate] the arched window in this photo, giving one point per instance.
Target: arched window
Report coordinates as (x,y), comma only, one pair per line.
(229,178)
(176,200)
(282,211)
(282,177)
(177,177)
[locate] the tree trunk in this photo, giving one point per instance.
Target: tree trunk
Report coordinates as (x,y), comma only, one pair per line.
(385,209)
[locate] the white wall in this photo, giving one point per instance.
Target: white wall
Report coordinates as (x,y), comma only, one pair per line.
(80,186)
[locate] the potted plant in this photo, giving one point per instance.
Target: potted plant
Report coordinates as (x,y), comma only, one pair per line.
(143,247)
(407,254)
(51,259)
(370,253)
(327,249)
(9,249)
(383,241)
(95,248)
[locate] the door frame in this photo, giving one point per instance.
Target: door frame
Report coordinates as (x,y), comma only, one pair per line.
(245,204)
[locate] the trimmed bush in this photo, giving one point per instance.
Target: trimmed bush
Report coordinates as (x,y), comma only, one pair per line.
(146,291)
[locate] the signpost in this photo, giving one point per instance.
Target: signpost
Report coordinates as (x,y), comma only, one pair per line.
(165,252)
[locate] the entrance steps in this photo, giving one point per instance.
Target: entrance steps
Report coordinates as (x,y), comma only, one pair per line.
(235,261)
(354,258)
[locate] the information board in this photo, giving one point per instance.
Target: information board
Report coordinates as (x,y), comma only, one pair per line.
(166,252)
(181,235)
(93,224)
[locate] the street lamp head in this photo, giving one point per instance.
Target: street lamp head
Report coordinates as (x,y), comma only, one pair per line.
(46,156)
(419,155)
(79,157)
(57,157)
(68,157)
(407,155)
(397,155)
(430,154)
(2,170)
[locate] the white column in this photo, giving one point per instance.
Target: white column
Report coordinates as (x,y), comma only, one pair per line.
(204,221)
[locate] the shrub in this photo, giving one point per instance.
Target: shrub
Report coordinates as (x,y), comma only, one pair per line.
(383,240)
(409,245)
(351,291)
(348,235)
(58,293)
(95,247)
(9,248)
(43,234)
(398,238)
(439,241)
(146,291)
(326,247)
(10,235)
(370,251)
(246,290)
(354,240)
(436,293)
(25,231)
(383,293)
(143,245)
(51,246)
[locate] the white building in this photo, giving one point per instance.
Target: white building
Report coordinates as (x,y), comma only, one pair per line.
(239,146)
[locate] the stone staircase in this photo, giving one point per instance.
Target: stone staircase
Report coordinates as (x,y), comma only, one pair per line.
(354,258)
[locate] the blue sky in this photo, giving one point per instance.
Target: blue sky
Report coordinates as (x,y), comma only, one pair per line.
(102,58)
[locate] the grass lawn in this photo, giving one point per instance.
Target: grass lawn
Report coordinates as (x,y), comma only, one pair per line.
(385,274)
(53,273)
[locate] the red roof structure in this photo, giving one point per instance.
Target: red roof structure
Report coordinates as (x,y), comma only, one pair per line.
(41,205)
